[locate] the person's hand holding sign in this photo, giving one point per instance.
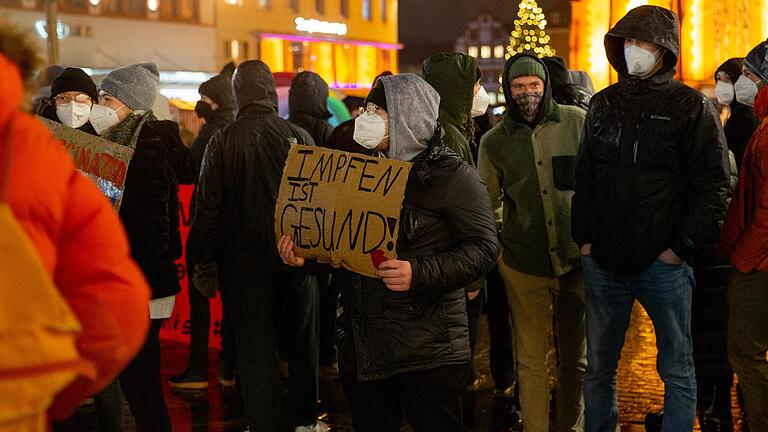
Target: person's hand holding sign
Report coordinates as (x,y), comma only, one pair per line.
(285,249)
(396,274)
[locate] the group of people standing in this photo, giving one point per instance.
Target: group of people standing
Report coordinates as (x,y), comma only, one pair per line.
(560,217)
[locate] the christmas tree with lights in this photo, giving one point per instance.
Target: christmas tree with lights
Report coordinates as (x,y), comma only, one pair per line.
(529,34)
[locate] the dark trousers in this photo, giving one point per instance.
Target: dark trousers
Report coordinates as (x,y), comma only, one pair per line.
(329,299)
(143,388)
(431,400)
(502,354)
(254,304)
(109,408)
(199,327)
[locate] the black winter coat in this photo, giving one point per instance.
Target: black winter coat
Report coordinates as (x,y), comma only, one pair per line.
(448,234)
(240,179)
(739,128)
(652,169)
(217,121)
(150,207)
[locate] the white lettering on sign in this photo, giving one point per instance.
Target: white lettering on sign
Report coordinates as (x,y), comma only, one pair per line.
(316,26)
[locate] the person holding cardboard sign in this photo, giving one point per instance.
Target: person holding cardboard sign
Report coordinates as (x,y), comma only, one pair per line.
(403,336)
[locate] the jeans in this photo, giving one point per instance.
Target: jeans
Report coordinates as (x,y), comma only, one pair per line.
(255,304)
(665,292)
(430,400)
(748,342)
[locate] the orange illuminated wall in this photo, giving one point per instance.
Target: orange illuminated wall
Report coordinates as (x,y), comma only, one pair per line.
(366,65)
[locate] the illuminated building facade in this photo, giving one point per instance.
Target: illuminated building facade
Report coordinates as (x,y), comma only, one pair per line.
(712,31)
(347,42)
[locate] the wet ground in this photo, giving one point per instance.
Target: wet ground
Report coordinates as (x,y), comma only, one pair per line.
(217,409)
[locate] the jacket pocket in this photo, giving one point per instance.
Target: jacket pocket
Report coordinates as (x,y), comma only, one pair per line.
(564,171)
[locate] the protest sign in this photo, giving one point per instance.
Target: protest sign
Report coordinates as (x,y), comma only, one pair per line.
(341,208)
(104,162)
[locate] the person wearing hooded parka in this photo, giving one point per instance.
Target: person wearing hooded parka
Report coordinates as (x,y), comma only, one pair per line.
(403,338)
(233,229)
(651,185)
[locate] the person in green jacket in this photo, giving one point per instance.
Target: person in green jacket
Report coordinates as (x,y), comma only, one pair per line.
(528,162)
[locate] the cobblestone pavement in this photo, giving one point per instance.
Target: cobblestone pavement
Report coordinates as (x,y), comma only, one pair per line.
(217,409)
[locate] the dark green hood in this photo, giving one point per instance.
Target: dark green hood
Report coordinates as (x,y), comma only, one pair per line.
(453,75)
(647,23)
(548,106)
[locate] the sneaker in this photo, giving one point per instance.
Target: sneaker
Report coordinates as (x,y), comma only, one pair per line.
(189,380)
(317,427)
(226,375)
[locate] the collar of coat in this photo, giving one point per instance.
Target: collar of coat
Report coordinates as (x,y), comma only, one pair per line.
(553,114)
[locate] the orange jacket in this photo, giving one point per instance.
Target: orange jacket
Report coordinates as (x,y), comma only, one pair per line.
(80,241)
(744,240)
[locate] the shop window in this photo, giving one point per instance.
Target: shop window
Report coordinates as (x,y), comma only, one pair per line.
(344,8)
(320,6)
(485,51)
(498,51)
(383,10)
(367,10)
(294,4)
(472,51)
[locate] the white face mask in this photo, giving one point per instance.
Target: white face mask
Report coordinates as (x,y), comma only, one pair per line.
(73,114)
(370,129)
(480,103)
(104,118)
(724,92)
(745,90)
(640,61)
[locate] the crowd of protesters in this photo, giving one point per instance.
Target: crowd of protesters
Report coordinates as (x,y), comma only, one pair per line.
(553,221)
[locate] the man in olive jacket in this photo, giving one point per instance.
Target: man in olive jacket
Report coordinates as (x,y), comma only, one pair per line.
(528,162)
(651,186)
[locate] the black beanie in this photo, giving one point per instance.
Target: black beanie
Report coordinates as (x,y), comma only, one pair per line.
(732,68)
(377,96)
(74,79)
(219,89)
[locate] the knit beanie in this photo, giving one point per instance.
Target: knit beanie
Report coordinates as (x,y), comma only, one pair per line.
(757,61)
(526,66)
(74,79)
(135,85)
(377,96)
(732,68)
(219,89)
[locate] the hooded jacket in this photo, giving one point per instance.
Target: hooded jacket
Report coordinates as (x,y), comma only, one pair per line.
(308,106)
(454,75)
(742,122)
(219,89)
(653,165)
(530,174)
(80,243)
(564,91)
(233,224)
(448,235)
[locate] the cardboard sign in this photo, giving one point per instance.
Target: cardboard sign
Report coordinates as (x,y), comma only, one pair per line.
(104,162)
(341,208)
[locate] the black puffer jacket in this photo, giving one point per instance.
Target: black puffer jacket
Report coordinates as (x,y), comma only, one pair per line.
(653,164)
(219,89)
(150,208)
(240,180)
(308,106)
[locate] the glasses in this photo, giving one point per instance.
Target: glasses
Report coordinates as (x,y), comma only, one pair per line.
(64,98)
(370,109)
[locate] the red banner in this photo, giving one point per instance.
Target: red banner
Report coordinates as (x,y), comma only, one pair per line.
(177,326)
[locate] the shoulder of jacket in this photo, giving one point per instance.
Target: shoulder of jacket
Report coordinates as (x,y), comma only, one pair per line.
(570,112)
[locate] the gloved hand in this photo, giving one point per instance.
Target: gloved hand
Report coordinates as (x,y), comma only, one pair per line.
(206,279)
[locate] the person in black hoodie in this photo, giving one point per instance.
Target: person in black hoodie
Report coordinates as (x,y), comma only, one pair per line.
(651,186)
(742,121)
(308,106)
(233,228)
(149,212)
(564,91)
(217,107)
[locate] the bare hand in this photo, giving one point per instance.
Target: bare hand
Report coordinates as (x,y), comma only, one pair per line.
(396,274)
(471,295)
(669,257)
(586,249)
(285,249)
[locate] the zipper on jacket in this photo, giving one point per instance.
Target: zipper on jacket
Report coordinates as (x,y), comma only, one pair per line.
(637,139)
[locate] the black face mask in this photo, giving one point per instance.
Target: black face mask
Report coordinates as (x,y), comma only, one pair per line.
(203,109)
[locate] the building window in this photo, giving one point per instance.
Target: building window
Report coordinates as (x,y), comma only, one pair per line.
(66,5)
(498,51)
(485,51)
(320,6)
(472,51)
(294,5)
(264,4)
(185,10)
(136,8)
(367,10)
(234,2)
(10,3)
(110,7)
(236,50)
(383,10)
(344,8)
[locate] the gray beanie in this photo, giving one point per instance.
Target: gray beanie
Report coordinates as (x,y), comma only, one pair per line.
(135,85)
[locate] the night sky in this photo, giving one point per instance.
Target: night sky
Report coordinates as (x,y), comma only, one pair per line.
(433,25)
